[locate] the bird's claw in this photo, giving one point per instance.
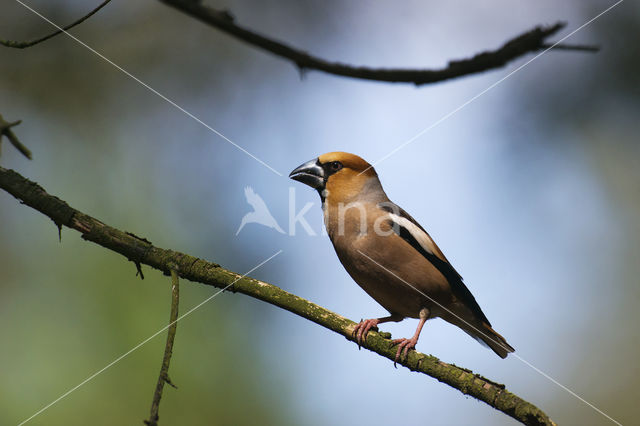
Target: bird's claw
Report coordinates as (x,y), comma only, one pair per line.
(361,330)
(404,346)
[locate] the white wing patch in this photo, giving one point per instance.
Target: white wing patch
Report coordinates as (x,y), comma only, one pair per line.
(421,237)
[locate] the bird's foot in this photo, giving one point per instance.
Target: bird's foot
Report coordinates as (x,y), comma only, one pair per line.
(404,346)
(362,328)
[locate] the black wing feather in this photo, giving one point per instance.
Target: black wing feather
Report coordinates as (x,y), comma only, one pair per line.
(455,280)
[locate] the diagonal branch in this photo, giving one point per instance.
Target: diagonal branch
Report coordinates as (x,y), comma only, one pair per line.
(528,42)
(141,251)
(25,44)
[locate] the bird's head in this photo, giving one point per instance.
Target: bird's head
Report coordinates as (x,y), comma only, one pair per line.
(342,175)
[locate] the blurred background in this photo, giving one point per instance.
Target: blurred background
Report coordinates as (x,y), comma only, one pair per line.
(532,191)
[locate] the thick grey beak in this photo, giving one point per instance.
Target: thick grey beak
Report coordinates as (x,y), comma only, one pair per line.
(310,173)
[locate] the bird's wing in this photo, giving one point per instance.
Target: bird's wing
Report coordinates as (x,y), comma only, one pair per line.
(409,230)
(255,200)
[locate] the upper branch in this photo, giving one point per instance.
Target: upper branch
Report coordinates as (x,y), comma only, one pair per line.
(25,44)
(140,250)
(530,41)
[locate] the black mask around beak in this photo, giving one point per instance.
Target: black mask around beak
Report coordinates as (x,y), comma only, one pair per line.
(310,173)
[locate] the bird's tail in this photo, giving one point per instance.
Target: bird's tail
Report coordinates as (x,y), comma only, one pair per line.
(487,336)
(495,341)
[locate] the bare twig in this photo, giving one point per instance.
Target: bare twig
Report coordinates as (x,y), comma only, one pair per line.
(528,42)
(198,270)
(576,47)
(5,130)
(163,377)
(25,44)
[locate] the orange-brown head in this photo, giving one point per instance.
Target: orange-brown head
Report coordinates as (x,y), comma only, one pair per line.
(340,176)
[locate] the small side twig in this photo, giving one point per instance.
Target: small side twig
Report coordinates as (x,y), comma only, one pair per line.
(575,47)
(168,349)
(24,44)
(5,130)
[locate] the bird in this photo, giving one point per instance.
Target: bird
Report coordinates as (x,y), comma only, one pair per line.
(260,213)
(390,255)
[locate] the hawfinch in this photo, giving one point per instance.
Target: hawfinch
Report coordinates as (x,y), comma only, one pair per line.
(389,254)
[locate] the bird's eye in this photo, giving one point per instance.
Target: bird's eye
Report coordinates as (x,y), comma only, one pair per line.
(336,165)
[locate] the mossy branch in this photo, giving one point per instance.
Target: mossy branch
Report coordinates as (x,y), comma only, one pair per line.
(141,251)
